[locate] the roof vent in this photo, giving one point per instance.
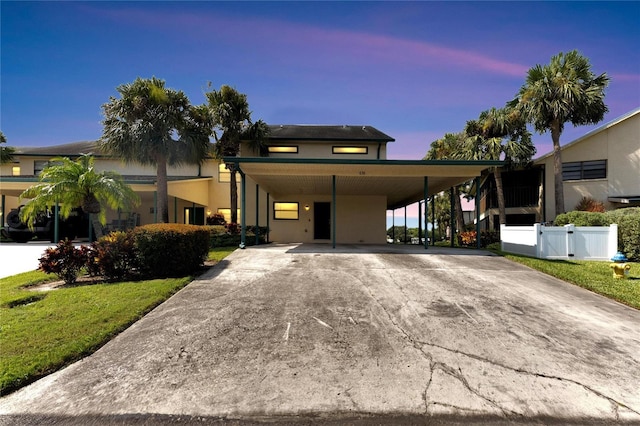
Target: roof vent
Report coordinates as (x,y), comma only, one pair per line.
(364,127)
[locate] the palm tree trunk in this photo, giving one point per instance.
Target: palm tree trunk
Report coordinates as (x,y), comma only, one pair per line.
(163,197)
(233,189)
(459,215)
(557,167)
(500,193)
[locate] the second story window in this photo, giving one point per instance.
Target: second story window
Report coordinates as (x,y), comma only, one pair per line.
(283,149)
(581,170)
(350,150)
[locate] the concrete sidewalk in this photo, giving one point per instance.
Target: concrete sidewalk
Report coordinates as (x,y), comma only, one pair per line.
(287,334)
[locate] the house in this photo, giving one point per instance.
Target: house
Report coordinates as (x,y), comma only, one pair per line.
(604,165)
(323,184)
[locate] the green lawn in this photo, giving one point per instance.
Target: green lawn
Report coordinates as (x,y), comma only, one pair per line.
(594,276)
(41,332)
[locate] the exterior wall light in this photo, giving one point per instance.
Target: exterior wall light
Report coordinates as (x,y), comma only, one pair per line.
(306,207)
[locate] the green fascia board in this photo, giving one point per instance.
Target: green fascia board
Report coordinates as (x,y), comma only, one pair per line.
(338,161)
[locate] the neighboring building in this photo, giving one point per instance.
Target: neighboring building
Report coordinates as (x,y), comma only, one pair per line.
(604,165)
(318,184)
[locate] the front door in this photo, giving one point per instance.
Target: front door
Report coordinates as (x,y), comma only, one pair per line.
(322,221)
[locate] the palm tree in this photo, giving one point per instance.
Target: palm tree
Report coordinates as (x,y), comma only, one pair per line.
(499,134)
(448,148)
(158,126)
(230,111)
(564,91)
(6,153)
(74,184)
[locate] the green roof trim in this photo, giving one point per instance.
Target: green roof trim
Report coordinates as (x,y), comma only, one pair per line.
(339,161)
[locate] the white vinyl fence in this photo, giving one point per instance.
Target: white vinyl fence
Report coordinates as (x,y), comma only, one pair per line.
(561,242)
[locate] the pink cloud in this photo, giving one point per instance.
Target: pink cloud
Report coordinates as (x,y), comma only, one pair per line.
(317,43)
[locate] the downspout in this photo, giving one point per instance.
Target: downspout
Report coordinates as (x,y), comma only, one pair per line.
(379,148)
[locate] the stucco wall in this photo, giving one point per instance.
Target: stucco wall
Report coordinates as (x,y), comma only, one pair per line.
(619,144)
(360,220)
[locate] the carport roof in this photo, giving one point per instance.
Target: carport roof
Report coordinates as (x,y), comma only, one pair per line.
(401,181)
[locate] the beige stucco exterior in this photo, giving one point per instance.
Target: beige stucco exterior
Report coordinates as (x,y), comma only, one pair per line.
(617,142)
(366,185)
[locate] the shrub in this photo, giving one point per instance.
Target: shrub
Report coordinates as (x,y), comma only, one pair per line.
(468,238)
(114,256)
(64,260)
(588,204)
(233,228)
(171,250)
(216,219)
(628,221)
(580,218)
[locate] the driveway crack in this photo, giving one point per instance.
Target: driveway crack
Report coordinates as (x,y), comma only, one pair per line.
(615,404)
(419,345)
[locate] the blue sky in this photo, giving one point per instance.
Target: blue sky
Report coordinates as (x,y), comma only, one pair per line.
(414,70)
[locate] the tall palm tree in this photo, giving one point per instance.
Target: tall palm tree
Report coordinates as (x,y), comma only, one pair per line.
(564,91)
(499,134)
(448,148)
(232,118)
(74,184)
(154,125)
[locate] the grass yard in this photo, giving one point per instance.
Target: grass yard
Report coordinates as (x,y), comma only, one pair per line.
(591,275)
(42,331)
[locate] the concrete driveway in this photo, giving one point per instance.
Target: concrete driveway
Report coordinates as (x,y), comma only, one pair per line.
(295,334)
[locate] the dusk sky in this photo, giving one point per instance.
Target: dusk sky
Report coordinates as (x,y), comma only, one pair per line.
(414,70)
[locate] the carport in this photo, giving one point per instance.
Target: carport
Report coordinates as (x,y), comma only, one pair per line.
(402,182)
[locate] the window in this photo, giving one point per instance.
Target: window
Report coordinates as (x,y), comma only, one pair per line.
(285,210)
(38,166)
(15,171)
(581,170)
(224,175)
(284,149)
(350,150)
(227,214)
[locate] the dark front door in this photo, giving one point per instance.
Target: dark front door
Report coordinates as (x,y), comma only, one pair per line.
(322,221)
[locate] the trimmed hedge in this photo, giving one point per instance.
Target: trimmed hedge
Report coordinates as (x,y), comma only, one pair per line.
(171,249)
(628,221)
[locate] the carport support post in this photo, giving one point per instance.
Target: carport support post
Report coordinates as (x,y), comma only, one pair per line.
(426,197)
(478,242)
(2,212)
(419,221)
(267,236)
(433,221)
(257,230)
(405,224)
(393,226)
(243,211)
(452,217)
(333,208)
